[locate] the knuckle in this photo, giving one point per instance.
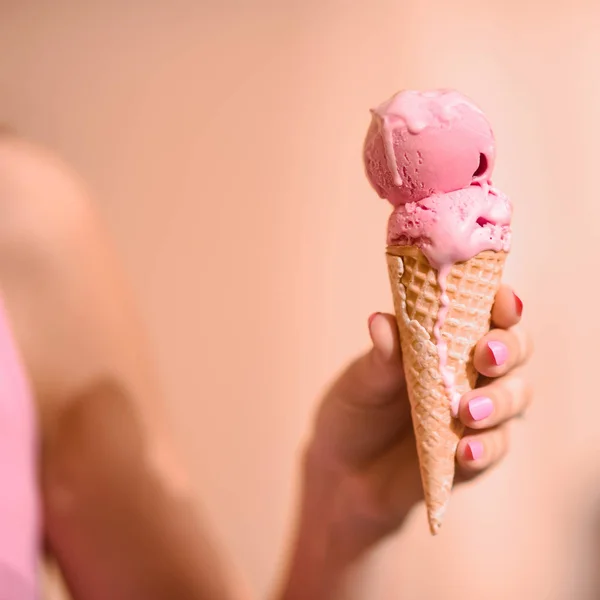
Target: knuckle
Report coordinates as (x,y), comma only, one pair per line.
(528,394)
(510,395)
(516,344)
(529,345)
(516,394)
(520,394)
(524,342)
(500,445)
(505,441)
(504,393)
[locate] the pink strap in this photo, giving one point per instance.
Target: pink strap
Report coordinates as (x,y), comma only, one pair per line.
(19,500)
(14,586)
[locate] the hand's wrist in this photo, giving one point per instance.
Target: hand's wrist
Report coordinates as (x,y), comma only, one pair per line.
(322,557)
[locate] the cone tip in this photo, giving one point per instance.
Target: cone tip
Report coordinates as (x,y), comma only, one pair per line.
(435,516)
(434,526)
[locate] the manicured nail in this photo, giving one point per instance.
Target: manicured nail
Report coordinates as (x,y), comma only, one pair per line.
(499,352)
(480,408)
(518,305)
(474,450)
(371,318)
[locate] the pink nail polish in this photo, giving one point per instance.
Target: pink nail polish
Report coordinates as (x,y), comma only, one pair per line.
(371,318)
(499,352)
(474,450)
(518,305)
(480,408)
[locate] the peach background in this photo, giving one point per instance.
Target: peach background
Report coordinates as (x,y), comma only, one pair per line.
(222,142)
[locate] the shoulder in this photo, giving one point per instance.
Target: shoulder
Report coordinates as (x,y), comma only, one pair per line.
(59,281)
(42,200)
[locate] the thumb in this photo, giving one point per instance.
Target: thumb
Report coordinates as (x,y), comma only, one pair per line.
(367,407)
(377,378)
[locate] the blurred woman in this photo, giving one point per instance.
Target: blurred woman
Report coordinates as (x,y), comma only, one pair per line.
(118,508)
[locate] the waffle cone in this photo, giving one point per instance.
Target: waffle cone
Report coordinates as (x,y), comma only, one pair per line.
(471,288)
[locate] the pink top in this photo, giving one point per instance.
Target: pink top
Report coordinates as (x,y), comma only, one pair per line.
(19,500)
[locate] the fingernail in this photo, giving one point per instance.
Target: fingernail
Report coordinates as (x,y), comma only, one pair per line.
(371,318)
(480,408)
(474,450)
(518,305)
(499,352)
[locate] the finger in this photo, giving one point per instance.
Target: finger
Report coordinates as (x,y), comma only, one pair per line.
(500,351)
(508,308)
(479,451)
(496,403)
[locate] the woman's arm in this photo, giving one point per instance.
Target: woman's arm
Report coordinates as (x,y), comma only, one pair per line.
(361,474)
(119,513)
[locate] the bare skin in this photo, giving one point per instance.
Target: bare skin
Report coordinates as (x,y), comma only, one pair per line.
(118,507)
(119,510)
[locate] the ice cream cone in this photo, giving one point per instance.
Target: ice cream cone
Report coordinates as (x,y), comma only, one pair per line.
(471,287)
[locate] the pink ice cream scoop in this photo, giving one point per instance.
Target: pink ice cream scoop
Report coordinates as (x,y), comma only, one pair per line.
(425,143)
(453,227)
(431,154)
